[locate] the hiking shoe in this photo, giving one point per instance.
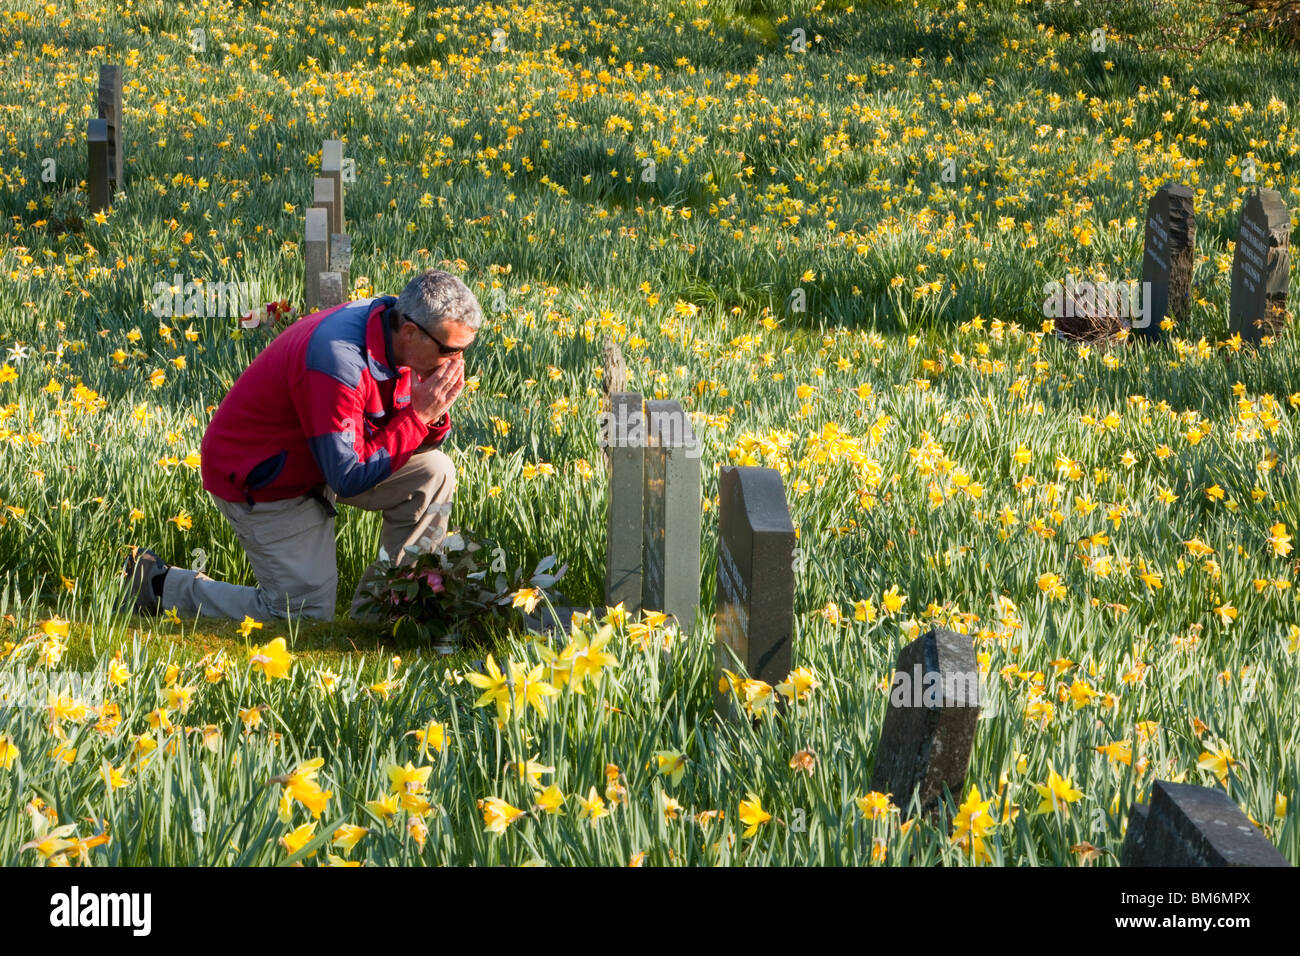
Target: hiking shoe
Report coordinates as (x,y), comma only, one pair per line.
(142,566)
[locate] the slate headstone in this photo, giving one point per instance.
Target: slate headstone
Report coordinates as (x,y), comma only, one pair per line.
(98,154)
(315,256)
(755,585)
(331,168)
(930,719)
(340,259)
(1261,266)
(1187,825)
(1169,253)
(110,110)
(670,560)
(625,443)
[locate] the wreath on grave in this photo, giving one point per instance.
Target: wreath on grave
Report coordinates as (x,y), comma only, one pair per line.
(432,595)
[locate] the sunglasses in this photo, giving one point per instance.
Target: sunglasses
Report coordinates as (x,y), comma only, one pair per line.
(442,349)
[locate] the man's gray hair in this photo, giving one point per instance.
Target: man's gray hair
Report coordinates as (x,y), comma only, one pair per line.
(435,296)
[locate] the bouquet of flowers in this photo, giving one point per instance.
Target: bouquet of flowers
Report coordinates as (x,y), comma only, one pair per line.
(432,594)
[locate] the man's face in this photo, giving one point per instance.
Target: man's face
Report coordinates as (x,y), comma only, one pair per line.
(417,349)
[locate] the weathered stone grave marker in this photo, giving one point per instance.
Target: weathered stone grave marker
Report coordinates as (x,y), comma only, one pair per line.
(97,179)
(110,110)
(625,441)
(315,257)
(1169,253)
(340,260)
(331,168)
(755,584)
(322,197)
(670,565)
(1261,267)
(331,290)
(1187,825)
(929,729)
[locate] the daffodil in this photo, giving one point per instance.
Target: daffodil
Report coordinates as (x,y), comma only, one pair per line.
(497,814)
(273,659)
(301,785)
(753,815)
(1057,794)
(671,765)
(494,686)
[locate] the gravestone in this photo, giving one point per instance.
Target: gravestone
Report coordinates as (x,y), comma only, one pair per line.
(1261,267)
(670,558)
(1186,825)
(614,377)
(331,290)
(613,380)
(322,197)
(331,168)
(755,585)
(98,154)
(315,257)
(625,440)
(1169,254)
(340,260)
(110,110)
(929,726)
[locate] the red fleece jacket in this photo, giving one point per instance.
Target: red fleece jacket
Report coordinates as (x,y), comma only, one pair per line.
(321,404)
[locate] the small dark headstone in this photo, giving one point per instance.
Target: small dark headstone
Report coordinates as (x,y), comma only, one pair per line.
(755,592)
(110,110)
(625,440)
(97,180)
(315,256)
(340,259)
(670,560)
(331,168)
(930,721)
(1187,825)
(1261,267)
(1169,253)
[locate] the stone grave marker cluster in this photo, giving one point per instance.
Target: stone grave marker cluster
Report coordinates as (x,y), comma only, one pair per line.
(928,733)
(104,166)
(1261,262)
(327,252)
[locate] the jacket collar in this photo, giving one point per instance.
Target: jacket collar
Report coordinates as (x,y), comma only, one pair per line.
(379,339)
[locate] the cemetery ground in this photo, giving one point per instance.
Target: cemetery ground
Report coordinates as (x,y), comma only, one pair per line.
(1109,523)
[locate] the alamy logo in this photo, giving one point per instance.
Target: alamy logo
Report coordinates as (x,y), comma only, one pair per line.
(102,909)
(1121,299)
(204,300)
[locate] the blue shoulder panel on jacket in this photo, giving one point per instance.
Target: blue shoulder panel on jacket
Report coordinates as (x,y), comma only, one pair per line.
(338,344)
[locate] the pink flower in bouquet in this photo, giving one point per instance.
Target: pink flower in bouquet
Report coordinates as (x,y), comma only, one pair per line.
(434,580)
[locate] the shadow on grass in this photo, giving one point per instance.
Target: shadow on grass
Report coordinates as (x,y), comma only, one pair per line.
(315,642)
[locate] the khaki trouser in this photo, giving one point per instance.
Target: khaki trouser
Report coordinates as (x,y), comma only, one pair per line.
(290,544)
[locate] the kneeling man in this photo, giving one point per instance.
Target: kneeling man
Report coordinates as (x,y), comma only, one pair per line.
(346,405)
